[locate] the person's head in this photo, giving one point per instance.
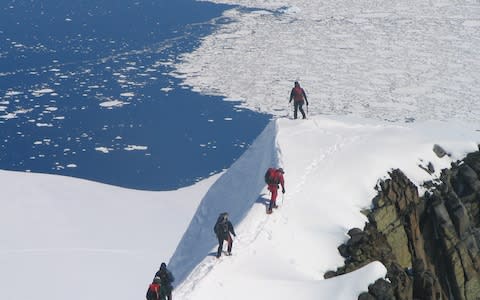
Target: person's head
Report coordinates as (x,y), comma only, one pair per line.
(225,216)
(297,84)
(156,279)
(163,266)
(281,170)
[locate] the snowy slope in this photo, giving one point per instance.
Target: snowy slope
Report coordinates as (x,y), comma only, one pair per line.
(67,238)
(332,166)
(377,61)
(70,234)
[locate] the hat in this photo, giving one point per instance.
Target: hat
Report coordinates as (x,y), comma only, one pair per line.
(163,265)
(156,279)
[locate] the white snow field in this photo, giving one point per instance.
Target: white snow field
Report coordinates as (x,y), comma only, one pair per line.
(394,60)
(68,238)
(386,81)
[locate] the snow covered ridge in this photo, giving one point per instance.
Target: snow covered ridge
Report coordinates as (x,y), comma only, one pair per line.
(332,166)
(98,231)
(402,60)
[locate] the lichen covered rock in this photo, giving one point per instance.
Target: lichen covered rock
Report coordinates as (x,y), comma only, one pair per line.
(429,244)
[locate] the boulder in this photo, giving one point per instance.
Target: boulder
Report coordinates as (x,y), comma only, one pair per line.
(439,151)
(381,290)
(429,244)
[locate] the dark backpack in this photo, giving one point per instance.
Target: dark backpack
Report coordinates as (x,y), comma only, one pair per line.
(221,226)
(270,176)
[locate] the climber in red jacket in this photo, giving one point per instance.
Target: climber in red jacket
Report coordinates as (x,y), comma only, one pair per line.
(274,178)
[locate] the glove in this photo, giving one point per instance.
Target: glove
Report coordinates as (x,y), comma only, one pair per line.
(283,191)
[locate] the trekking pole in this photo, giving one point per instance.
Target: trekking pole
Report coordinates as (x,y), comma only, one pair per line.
(288,110)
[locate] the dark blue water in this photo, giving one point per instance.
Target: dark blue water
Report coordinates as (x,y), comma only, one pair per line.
(85,92)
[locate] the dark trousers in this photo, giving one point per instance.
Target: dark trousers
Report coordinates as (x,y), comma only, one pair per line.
(229,239)
(167,291)
(298,105)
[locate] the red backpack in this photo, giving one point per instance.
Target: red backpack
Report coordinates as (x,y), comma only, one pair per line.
(298,93)
(270,177)
(153,292)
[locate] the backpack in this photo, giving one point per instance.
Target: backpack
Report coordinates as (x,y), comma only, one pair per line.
(270,176)
(298,93)
(217,228)
(153,292)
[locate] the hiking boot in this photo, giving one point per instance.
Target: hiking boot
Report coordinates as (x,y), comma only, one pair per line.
(269,211)
(275,206)
(229,253)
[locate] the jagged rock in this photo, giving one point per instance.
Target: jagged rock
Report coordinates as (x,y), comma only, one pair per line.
(401,282)
(366,296)
(439,151)
(473,160)
(343,250)
(468,176)
(429,244)
(381,290)
(458,214)
(430,169)
(357,235)
(423,282)
(400,198)
(329,274)
(355,231)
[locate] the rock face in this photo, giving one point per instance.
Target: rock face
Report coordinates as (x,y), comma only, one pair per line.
(429,244)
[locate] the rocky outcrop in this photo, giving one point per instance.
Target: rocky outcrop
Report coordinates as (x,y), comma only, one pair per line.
(430,243)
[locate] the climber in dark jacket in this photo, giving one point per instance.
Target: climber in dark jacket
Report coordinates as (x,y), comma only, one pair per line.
(222,229)
(298,95)
(166,279)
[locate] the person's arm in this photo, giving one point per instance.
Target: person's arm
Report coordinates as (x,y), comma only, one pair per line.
(230,228)
(291,96)
(215,229)
(170,277)
(305,96)
(282,183)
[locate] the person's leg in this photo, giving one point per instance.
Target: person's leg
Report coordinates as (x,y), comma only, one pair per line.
(295,109)
(165,292)
(230,244)
(220,246)
(300,106)
(273,198)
